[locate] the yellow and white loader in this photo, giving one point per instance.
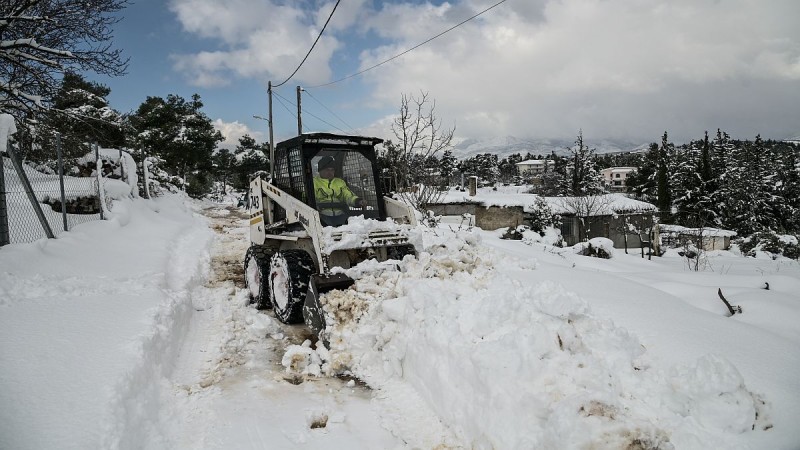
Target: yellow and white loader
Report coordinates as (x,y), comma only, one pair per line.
(294,247)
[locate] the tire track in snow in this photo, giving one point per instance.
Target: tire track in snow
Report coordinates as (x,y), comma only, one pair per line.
(229,389)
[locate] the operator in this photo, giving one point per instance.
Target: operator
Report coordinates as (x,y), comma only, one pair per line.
(332,194)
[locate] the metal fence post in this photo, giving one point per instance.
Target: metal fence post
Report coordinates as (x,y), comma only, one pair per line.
(5,235)
(26,184)
(121,167)
(61,181)
(145,176)
(99,167)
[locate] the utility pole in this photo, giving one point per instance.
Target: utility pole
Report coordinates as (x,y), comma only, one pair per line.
(271,139)
(299,120)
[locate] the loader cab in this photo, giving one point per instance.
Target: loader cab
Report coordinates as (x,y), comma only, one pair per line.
(345,187)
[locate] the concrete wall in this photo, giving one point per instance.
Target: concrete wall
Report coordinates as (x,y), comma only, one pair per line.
(494,217)
(487,218)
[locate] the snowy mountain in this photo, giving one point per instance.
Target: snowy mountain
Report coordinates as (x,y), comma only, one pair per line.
(507,145)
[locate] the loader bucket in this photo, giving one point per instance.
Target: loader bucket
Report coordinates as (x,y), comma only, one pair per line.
(313,314)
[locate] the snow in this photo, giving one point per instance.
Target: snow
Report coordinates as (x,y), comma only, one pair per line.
(706,231)
(505,196)
(135,332)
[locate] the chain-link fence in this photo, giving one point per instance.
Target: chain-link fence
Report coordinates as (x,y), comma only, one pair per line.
(37,200)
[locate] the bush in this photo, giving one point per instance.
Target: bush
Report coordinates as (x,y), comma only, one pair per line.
(777,245)
(542,217)
(513,233)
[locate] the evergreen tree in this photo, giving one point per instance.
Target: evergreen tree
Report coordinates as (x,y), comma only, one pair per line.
(663,191)
(642,183)
(583,177)
(82,116)
(250,157)
(447,166)
(180,134)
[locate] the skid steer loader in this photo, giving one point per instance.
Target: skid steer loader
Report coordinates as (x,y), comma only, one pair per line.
(296,234)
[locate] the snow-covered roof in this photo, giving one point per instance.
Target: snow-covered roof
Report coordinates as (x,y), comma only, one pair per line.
(535,162)
(707,232)
(506,196)
(619,169)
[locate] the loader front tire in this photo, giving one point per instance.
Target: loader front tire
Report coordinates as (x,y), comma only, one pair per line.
(289,274)
(256,270)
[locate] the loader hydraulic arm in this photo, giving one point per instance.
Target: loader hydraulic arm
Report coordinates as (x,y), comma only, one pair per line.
(262,195)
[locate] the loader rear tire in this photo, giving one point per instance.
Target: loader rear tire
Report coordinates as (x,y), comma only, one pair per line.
(256,270)
(289,274)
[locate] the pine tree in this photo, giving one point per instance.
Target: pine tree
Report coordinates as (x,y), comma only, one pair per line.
(582,175)
(82,116)
(181,135)
(250,157)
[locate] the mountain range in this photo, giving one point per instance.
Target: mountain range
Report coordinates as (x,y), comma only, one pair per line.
(508,145)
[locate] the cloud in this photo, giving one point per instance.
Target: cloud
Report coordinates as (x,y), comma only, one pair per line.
(539,68)
(615,66)
(232,131)
(256,39)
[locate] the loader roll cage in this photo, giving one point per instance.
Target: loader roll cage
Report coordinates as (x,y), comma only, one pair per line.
(354,161)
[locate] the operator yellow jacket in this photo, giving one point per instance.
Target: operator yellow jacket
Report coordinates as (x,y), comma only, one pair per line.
(331,191)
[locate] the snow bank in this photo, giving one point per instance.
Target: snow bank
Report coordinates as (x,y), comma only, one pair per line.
(509,365)
(90,324)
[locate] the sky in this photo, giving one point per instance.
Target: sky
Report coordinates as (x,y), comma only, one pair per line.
(536,69)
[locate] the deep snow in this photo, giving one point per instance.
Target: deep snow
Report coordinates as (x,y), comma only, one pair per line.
(135,333)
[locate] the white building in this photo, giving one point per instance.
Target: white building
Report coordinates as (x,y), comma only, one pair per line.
(614,178)
(534,167)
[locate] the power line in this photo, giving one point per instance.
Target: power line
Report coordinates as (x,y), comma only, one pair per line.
(412,48)
(305,111)
(334,114)
(312,45)
(284,104)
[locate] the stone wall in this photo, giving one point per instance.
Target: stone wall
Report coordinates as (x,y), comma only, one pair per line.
(494,217)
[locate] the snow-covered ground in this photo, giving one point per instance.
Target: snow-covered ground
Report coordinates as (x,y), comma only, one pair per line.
(135,333)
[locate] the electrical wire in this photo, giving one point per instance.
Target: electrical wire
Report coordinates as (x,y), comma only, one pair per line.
(284,104)
(329,110)
(312,45)
(304,112)
(412,48)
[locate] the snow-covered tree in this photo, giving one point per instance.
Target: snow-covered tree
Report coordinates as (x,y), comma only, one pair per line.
(40,40)
(582,177)
(81,115)
(179,133)
(250,157)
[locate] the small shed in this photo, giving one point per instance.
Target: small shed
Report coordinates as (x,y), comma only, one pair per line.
(626,221)
(705,238)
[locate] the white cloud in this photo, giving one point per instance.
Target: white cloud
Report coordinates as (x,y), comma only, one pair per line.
(538,68)
(258,39)
(627,67)
(232,131)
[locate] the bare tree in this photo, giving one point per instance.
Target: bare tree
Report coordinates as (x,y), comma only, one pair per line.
(42,39)
(587,209)
(420,138)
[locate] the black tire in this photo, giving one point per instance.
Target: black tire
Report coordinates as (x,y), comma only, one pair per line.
(289,274)
(256,271)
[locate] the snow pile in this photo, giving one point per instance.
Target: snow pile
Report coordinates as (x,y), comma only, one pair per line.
(512,365)
(360,232)
(600,247)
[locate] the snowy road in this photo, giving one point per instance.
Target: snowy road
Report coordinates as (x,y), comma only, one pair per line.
(229,389)
(136,333)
